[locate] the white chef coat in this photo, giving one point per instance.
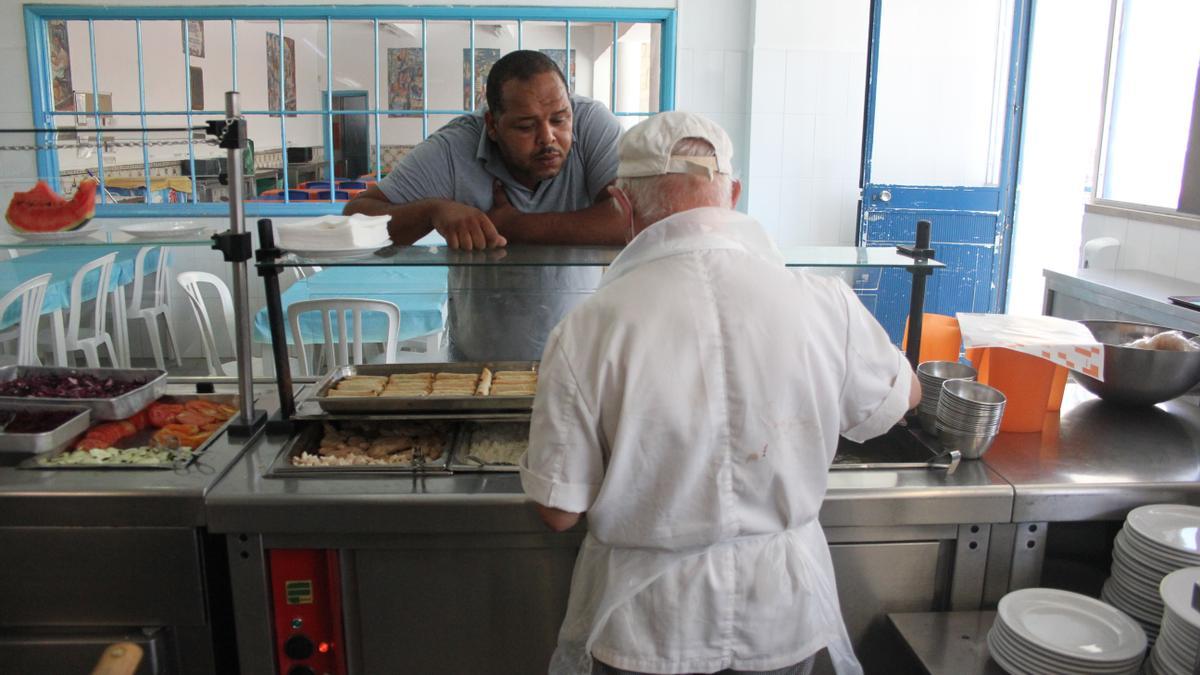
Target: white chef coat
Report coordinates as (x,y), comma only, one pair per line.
(692,407)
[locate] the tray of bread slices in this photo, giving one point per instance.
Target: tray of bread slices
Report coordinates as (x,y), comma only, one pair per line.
(429,387)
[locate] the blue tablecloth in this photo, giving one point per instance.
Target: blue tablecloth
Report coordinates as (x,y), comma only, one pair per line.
(63,262)
(419,292)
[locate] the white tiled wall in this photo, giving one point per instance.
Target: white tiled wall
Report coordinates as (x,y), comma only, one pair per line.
(1163,249)
(809,62)
(713,68)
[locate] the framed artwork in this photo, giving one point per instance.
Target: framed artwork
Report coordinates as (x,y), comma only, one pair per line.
(86,104)
(559,57)
(289,73)
(193,41)
(406,79)
(196,76)
(60,65)
(485,58)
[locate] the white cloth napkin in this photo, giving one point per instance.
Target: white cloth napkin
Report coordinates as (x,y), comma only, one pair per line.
(329,233)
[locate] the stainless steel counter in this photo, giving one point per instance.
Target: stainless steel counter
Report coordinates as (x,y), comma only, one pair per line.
(1096,461)
(114,498)
(1132,295)
(246,501)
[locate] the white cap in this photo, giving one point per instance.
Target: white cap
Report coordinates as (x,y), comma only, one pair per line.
(645,150)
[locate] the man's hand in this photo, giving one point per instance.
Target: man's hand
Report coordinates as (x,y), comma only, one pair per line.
(465,227)
(503,213)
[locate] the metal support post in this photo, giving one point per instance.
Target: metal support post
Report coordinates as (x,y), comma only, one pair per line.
(237,246)
(269,271)
(921,254)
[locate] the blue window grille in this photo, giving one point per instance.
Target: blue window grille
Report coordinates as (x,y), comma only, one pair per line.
(39,20)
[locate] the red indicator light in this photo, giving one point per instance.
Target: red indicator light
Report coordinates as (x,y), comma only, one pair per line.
(323,647)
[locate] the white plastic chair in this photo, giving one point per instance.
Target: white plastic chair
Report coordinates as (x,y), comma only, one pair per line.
(158,305)
(31,294)
(340,306)
(191,282)
(71,340)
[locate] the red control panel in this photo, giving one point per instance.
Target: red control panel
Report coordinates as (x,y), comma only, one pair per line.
(307,604)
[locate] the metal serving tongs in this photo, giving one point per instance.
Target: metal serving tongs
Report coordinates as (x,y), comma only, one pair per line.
(6,418)
(947,461)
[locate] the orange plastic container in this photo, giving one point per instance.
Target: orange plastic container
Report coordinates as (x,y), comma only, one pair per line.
(940,338)
(1057,387)
(1027,382)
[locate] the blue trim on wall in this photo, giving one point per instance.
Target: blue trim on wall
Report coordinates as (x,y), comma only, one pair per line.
(1013,123)
(295,12)
(38,54)
(872,86)
(666,89)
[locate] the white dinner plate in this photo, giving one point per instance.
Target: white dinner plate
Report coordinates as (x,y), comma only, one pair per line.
(1176,590)
(165,229)
(336,254)
(1156,559)
(1173,526)
(1040,659)
(1072,625)
(87,230)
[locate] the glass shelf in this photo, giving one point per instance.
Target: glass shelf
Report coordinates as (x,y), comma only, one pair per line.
(587,256)
(108,236)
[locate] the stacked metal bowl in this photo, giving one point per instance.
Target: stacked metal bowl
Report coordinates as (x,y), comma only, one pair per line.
(968,417)
(932,374)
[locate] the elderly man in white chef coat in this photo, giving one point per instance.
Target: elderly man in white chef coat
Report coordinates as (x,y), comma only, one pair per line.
(691,407)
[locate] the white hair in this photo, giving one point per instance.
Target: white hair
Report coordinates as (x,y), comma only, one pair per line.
(656,197)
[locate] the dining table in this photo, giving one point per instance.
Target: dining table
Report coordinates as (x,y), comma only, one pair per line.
(62,262)
(419,292)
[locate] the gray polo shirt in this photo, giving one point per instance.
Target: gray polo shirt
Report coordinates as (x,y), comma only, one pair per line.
(499,313)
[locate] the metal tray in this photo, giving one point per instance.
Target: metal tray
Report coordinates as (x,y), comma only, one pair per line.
(46,441)
(141,438)
(446,404)
(310,438)
(116,408)
(461,461)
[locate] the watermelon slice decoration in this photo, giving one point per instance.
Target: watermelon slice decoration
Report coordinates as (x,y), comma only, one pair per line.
(42,210)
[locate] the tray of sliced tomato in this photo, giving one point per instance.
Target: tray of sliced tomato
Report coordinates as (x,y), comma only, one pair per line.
(167,434)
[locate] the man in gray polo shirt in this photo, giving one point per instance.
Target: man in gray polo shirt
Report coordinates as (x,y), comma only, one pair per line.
(533,168)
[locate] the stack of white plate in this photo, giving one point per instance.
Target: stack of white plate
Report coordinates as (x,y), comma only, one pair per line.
(932,374)
(1179,638)
(1156,540)
(1045,630)
(968,416)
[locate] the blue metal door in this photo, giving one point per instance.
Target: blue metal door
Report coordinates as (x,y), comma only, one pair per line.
(945,87)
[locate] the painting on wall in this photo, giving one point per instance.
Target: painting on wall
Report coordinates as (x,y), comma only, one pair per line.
(406,79)
(559,57)
(289,73)
(485,58)
(193,42)
(60,65)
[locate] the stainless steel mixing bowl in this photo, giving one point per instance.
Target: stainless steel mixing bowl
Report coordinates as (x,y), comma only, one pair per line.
(1139,376)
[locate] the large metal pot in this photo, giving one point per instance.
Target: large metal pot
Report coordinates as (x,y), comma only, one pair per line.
(1139,376)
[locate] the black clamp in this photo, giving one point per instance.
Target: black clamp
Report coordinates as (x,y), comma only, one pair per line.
(918,254)
(237,247)
(231,133)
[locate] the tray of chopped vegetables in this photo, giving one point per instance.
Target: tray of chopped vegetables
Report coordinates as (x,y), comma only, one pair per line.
(110,393)
(167,434)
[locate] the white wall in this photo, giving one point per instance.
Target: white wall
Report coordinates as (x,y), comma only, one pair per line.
(1064,99)
(805,131)
(1168,250)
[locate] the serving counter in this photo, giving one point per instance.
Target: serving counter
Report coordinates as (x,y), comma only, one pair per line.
(91,557)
